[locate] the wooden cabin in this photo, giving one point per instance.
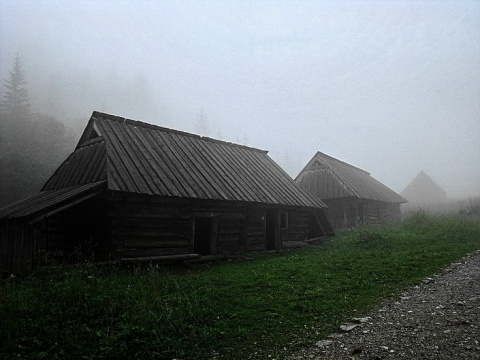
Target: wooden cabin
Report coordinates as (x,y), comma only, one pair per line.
(133,190)
(424,190)
(423,193)
(352,195)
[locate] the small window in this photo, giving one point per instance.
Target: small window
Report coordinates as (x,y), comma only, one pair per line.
(284,220)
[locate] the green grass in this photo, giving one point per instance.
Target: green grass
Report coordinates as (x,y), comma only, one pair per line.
(264,304)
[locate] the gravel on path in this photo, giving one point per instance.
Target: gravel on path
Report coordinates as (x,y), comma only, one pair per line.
(439,319)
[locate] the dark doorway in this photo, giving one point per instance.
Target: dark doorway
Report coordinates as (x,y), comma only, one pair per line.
(203,235)
(317,223)
(270,227)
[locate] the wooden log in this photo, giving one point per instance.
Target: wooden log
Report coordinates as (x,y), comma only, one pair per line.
(155,243)
(162,258)
(293,244)
(256,247)
(145,233)
(229,232)
(128,253)
(229,238)
(170,223)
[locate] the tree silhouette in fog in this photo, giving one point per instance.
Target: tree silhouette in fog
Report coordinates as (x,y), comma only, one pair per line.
(32,145)
(15,102)
(15,106)
(201,126)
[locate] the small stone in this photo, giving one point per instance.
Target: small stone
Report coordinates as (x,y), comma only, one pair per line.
(323,343)
(348,327)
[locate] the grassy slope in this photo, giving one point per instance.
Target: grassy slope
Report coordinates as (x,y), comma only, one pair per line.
(267,304)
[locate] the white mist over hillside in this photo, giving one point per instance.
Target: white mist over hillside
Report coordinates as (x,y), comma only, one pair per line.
(390,87)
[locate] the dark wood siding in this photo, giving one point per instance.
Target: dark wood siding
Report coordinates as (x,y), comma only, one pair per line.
(112,226)
(256,237)
(144,228)
(389,213)
(79,233)
(166,235)
(231,233)
(350,212)
(16,247)
(297,229)
(343,212)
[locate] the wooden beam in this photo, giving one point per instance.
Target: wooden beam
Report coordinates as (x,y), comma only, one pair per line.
(161,259)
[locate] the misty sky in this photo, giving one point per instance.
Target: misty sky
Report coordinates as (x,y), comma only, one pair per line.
(392,87)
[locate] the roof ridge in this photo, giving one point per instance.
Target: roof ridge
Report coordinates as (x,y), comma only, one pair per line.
(121,120)
(232,144)
(340,161)
(138,123)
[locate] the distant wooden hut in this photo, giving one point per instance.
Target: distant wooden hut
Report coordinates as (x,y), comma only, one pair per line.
(423,193)
(423,190)
(136,190)
(352,195)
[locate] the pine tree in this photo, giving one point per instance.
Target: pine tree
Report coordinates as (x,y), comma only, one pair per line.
(32,145)
(201,125)
(18,168)
(15,104)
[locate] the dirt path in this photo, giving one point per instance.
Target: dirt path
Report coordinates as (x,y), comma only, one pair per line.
(438,320)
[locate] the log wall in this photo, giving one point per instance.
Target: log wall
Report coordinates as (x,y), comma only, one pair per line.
(350,212)
(231,233)
(79,233)
(154,228)
(17,248)
(256,235)
(129,226)
(151,236)
(297,229)
(343,212)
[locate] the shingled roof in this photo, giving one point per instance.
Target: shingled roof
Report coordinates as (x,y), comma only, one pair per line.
(329,178)
(141,158)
